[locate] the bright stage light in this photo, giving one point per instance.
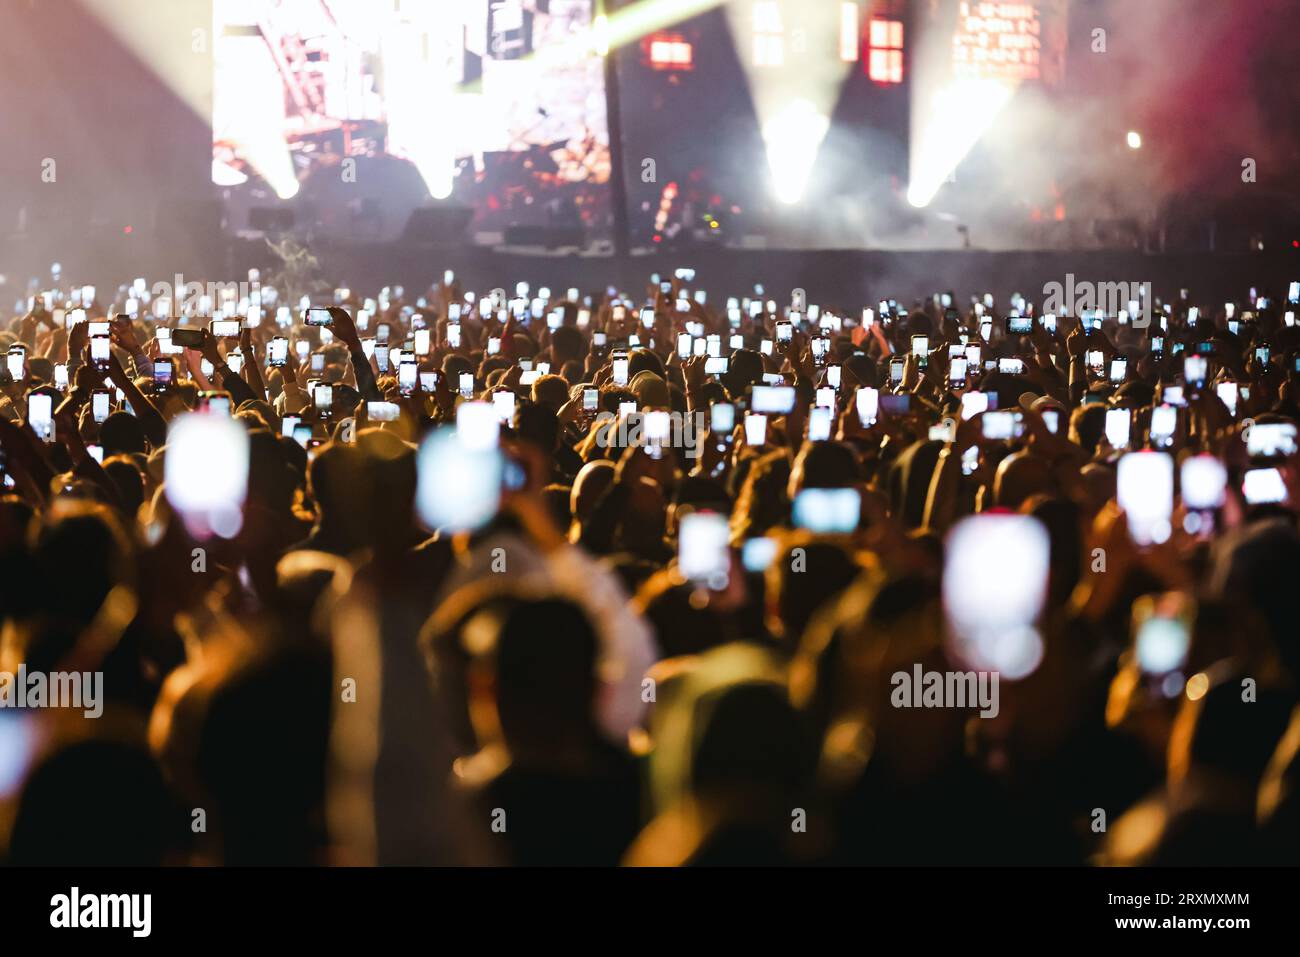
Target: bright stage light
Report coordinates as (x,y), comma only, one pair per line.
(794,57)
(600,35)
(419,87)
(791,139)
(1134,140)
(958,115)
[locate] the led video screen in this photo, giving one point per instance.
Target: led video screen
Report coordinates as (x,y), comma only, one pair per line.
(494,104)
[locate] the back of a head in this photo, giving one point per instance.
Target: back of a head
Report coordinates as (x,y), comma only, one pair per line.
(1087,425)
(826,465)
(96,803)
(1229,736)
(262,755)
(799,588)
(1257,564)
(545,661)
(567,343)
(390,479)
(1021,475)
(682,625)
(271,482)
(748,740)
(78,556)
(744,368)
(592,481)
(537,425)
(551,392)
(643,360)
(121,433)
(128,481)
(335,476)
(763,501)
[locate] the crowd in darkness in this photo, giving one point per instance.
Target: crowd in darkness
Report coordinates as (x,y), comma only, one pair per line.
(649,647)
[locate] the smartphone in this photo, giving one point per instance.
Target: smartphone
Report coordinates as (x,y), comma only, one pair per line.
(61,376)
(957,371)
(1269,439)
(187,338)
(99,327)
(1118,370)
(225,328)
(1227,393)
(945,431)
(467,384)
(162,372)
(278,352)
(895,370)
(478,425)
(422,339)
(867,401)
(722,419)
(1145,491)
(1264,487)
(215,402)
(16,364)
(1011,366)
(998,426)
(1052,419)
(820,420)
(40,415)
(99,352)
(320,316)
(1195,370)
(288,423)
(715,365)
(756,430)
(896,404)
(784,332)
(827,511)
(504,403)
(1162,634)
(318,362)
(703,549)
(684,345)
(407,377)
(1203,482)
(921,350)
(381,356)
(773,400)
(994,586)
(323,397)
(620,368)
(1119,424)
(1020,325)
(428,381)
(757,554)
(590,400)
(205,472)
(1164,421)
